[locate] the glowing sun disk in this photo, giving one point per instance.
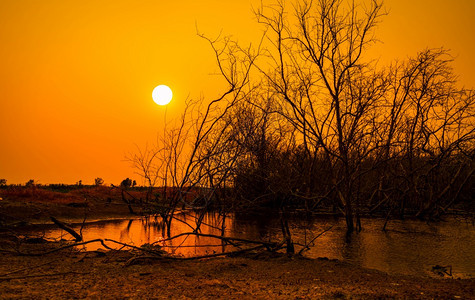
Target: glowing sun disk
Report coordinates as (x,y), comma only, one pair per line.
(162,95)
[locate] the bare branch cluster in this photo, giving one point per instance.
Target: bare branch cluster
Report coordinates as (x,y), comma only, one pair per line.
(306,121)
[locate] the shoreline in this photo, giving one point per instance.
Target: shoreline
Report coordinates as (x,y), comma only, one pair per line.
(119,274)
(71,273)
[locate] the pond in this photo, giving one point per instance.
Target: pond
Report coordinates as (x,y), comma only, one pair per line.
(408,247)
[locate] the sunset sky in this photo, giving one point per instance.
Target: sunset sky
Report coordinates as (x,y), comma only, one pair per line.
(76,77)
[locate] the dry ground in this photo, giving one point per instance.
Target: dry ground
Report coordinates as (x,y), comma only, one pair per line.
(71,274)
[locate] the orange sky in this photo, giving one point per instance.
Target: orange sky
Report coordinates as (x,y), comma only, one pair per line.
(76,77)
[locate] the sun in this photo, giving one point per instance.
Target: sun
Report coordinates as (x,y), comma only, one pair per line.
(162,95)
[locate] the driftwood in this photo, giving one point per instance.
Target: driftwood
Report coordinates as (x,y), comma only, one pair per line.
(230,240)
(153,254)
(102,241)
(269,246)
(164,255)
(71,231)
(229,253)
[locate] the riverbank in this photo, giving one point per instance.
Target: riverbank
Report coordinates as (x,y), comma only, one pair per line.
(112,275)
(22,206)
(72,273)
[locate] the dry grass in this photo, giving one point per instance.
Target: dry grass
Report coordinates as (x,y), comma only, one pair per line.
(36,194)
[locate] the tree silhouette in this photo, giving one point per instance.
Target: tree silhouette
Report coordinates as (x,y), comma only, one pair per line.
(310,121)
(126,183)
(98,181)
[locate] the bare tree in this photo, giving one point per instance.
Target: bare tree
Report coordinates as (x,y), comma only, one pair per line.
(306,120)
(202,129)
(429,131)
(326,89)
(98,181)
(353,119)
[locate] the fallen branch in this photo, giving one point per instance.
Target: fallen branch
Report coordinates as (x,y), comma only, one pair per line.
(229,240)
(236,252)
(307,246)
(71,231)
(229,253)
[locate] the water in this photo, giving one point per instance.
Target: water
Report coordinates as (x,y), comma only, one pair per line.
(407,247)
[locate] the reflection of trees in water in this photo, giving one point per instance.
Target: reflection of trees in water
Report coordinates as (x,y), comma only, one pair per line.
(153,230)
(410,247)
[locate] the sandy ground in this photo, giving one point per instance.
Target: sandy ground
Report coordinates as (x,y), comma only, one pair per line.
(71,274)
